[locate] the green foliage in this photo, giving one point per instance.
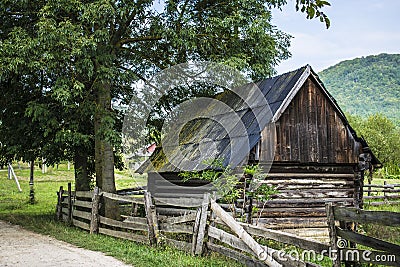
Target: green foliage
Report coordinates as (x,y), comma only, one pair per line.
(366,86)
(223,179)
(383,137)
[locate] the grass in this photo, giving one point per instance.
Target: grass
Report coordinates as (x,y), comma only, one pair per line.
(14,208)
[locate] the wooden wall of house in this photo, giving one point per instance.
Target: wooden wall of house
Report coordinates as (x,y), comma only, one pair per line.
(311,130)
(303,191)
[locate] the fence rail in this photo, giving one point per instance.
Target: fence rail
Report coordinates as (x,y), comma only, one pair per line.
(344,239)
(385,194)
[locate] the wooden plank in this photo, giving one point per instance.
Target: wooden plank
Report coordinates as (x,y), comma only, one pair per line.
(314,193)
(82,214)
(183,200)
(181,219)
(83,204)
(94,218)
(181,245)
(127,199)
(81,224)
(173,211)
(332,232)
(293,212)
(311,175)
(292,222)
(308,202)
(59,203)
(152,225)
(124,235)
(286,238)
(243,235)
(69,198)
(363,216)
(240,257)
(369,241)
(176,228)
(137,220)
(84,194)
(229,239)
(124,224)
(202,226)
(371,257)
(196,230)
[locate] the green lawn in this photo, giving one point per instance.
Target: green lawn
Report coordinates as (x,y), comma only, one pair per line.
(14,207)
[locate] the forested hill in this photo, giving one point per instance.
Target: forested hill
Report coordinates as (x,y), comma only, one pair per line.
(367,85)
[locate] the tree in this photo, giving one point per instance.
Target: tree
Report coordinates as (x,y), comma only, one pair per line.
(383,137)
(92,51)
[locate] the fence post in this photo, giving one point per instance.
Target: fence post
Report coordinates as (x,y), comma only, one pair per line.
(197,246)
(69,220)
(332,233)
(152,220)
(59,203)
(385,199)
(94,219)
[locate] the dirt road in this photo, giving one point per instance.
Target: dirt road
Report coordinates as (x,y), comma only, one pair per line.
(19,247)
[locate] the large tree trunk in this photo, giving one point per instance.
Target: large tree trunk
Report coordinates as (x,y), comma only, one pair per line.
(82,179)
(104,154)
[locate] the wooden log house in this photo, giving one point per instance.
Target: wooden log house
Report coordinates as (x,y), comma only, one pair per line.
(317,156)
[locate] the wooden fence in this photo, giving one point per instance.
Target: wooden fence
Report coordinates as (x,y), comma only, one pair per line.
(344,239)
(376,195)
(195,230)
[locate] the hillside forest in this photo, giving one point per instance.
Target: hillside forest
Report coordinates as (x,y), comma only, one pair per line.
(368,90)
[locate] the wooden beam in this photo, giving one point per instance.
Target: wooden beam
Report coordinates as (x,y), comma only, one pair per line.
(202,225)
(369,241)
(363,216)
(243,235)
(95,219)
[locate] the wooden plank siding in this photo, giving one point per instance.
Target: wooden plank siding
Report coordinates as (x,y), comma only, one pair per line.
(311,130)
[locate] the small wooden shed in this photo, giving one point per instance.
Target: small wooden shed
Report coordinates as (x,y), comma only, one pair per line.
(318,157)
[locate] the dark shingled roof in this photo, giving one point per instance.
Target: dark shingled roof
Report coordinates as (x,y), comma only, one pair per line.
(201,134)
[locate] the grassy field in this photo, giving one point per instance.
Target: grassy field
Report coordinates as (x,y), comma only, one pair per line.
(14,207)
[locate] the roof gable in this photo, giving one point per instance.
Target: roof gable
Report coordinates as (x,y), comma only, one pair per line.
(215,136)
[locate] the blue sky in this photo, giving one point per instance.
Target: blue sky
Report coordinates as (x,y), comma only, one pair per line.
(358,28)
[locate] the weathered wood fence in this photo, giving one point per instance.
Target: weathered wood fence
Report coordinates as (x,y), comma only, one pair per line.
(210,227)
(385,194)
(343,239)
(195,230)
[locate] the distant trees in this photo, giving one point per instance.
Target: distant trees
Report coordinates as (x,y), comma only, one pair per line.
(366,86)
(383,137)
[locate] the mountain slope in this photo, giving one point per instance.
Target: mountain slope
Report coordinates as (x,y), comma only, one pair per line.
(367,85)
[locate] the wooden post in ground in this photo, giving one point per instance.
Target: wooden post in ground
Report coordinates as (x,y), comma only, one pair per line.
(332,234)
(384,191)
(59,203)
(94,219)
(151,217)
(69,219)
(201,221)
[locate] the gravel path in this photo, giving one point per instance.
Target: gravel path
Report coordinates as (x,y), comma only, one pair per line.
(19,247)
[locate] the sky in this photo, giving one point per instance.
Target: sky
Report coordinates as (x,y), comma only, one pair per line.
(358,28)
